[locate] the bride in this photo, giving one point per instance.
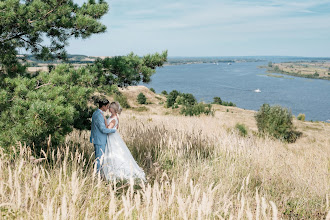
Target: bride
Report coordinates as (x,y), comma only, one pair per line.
(118,162)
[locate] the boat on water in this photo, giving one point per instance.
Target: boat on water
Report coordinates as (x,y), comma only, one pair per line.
(257,90)
(229,63)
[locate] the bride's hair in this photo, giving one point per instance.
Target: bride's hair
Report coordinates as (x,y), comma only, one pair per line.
(116,106)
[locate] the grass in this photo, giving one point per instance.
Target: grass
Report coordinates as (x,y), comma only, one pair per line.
(193,172)
(196,167)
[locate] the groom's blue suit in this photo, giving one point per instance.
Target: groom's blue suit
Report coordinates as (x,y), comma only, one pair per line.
(99,135)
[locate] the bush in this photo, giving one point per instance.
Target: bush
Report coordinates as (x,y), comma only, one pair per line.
(164,92)
(122,100)
(277,122)
(241,129)
(152,90)
(141,98)
(228,104)
(186,99)
(217,100)
(301,117)
(197,109)
(171,98)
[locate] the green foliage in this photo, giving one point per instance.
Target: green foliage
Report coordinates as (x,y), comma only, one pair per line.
(152,90)
(270,64)
(25,24)
(122,100)
(197,109)
(51,104)
(141,98)
(241,129)
(164,92)
(217,100)
(128,70)
(179,98)
(316,74)
(224,103)
(171,98)
(186,99)
(277,122)
(301,117)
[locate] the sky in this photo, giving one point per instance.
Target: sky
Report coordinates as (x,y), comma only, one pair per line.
(212,28)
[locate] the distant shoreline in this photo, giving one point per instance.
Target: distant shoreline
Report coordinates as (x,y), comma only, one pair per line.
(311,70)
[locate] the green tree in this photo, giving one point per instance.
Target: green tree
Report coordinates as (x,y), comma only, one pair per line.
(52,104)
(171,98)
(24,24)
(277,122)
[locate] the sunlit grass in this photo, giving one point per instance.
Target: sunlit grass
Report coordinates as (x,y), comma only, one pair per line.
(196,169)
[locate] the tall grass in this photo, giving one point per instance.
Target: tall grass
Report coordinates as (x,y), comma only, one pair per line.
(196,169)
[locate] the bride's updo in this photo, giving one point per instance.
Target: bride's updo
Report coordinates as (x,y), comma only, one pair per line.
(116,107)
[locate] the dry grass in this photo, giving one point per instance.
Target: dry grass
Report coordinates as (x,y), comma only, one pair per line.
(197,168)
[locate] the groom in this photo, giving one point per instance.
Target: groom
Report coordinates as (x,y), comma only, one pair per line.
(99,131)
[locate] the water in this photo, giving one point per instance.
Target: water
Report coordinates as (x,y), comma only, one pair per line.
(237,82)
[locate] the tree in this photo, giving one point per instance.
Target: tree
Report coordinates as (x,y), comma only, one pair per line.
(53,103)
(171,98)
(24,24)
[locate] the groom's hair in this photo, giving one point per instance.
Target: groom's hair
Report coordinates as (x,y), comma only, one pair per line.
(103,102)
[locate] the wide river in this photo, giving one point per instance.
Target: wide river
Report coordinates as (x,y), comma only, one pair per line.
(237,83)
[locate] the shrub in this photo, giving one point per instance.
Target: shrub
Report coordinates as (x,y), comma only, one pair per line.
(122,100)
(241,129)
(197,109)
(217,100)
(301,117)
(152,90)
(277,122)
(164,92)
(186,99)
(171,98)
(141,98)
(224,103)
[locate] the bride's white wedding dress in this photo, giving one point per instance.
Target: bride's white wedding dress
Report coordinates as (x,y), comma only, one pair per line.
(118,162)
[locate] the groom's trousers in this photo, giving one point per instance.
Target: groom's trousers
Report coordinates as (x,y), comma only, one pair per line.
(99,151)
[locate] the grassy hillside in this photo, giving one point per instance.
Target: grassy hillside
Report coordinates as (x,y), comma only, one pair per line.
(197,168)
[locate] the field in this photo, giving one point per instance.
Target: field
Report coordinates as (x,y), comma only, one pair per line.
(197,168)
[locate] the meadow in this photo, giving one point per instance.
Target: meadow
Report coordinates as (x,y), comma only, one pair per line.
(196,167)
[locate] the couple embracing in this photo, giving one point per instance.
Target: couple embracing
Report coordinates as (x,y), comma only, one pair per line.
(114,160)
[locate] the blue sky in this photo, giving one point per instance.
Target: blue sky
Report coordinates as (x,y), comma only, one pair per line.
(212,28)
